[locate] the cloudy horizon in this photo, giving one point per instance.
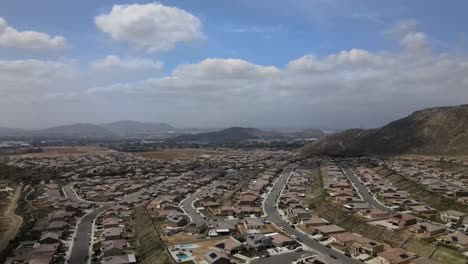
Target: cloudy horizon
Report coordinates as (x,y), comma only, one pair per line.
(318,64)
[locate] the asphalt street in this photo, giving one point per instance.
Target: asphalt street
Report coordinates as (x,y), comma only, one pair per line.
(274,216)
(81,245)
(366,195)
(282,258)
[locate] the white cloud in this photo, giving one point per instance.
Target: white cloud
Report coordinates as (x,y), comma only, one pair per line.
(11,38)
(416,42)
(347,88)
(154,27)
(114,64)
(22,79)
(214,68)
(403,27)
(342,86)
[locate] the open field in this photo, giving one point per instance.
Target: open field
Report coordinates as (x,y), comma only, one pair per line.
(10,222)
(52,152)
(150,248)
(171,154)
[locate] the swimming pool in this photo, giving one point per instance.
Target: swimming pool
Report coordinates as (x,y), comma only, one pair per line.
(188,246)
(182,256)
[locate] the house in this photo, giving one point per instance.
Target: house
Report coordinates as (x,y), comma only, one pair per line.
(113,233)
(457,239)
(121,259)
(49,238)
(114,248)
(344,238)
(195,228)
(327,230)
(364,245)
(423,210)
(314,221)
(427,229)
(280,240)
(452,216)
(259,241)
(247,200)
(299,214)
(57,226)
(230,245)
(177,219)
(216,257)
(402,220)
(224,227)
(395,256)
(254,223)
(226,211)
(110,222)
(374,213)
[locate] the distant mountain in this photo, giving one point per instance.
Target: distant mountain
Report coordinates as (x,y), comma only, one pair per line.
(127,127)
(225,135)
(6,131)
(234,134)
(440,130)
(83,130)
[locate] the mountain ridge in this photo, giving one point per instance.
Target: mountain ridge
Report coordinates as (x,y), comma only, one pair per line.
(436,130)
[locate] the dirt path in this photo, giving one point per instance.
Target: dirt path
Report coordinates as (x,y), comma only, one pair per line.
(15,221)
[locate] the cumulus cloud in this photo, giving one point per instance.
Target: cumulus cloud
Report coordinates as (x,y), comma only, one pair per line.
(342,86)
(416,42)
(216,68)
(114,64)
(154,27)
(403,27)
(12,38)
(347,88)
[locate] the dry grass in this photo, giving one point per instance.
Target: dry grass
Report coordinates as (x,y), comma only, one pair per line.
(52,152)
(414,156)
(172,154)
(448,256)
(150,248)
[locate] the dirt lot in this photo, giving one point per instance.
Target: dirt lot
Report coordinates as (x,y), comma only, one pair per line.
(51,152)
(10,222)
(171,154)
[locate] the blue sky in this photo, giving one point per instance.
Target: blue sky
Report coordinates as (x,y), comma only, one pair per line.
(255,33)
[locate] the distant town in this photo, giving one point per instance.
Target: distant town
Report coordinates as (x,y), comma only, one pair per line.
(228,202)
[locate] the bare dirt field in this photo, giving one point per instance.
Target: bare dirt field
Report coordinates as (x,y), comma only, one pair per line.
(51,152)
(171,154)
(10,222)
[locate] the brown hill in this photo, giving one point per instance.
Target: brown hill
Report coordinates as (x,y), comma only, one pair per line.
(440,130)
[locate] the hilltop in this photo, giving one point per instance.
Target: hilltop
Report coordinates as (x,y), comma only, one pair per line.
(432,131)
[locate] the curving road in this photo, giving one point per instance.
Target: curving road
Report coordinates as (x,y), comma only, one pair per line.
(274,216)
(366,195)
(82,240)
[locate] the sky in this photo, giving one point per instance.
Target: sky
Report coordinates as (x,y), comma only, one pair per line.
(264,63)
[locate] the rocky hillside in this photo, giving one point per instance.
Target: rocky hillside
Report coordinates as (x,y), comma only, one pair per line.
(440,130)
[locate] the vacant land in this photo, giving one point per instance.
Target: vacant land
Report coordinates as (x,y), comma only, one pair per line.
(414,156)
(171,154)
(52,152)
(150,248)
(420,193)
(10,222)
